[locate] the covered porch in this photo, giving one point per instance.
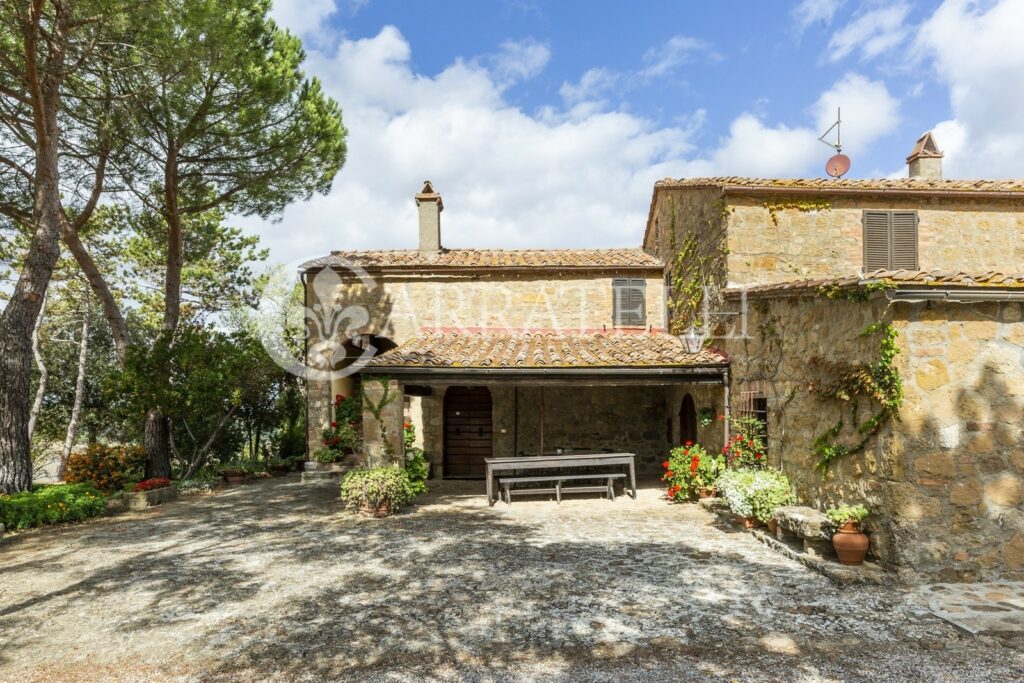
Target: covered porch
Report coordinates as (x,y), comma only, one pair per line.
(501,395)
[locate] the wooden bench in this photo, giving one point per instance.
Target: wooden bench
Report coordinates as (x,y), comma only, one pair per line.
(608,487)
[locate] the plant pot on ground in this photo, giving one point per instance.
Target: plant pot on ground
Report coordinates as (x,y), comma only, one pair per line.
(151,492)
(233,475)
(278,469)
(706,492)
(377,492)
(850,543)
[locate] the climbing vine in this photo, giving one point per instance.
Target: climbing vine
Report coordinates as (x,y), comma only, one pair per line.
(690,272)
(860,293)
(804,206)
(878,381)
(376,409)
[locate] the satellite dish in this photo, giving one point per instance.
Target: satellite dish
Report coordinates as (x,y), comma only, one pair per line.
(837,166)
(839,163)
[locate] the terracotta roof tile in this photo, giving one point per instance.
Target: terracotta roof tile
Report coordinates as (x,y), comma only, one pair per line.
(543,350)
(883,184)
(896,278)
(414,259)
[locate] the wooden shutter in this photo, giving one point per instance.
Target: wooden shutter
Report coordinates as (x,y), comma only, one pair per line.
(876,240)
(628,302)
(637,302)
(620,301)
(903,230)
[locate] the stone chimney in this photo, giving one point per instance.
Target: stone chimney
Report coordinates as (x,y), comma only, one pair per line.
(430,205)
(925,161)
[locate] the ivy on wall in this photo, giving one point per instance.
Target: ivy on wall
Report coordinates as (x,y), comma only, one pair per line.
(376,409)
(691,270)
(803,206)
(879,382)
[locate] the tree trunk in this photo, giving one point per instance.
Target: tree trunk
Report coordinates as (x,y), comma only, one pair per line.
(76,407)
(44,375)
(158,446)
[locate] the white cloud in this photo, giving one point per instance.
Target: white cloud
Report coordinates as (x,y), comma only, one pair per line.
(873,32)
(580,176)
(592,86)
(816,11)
(754,149)
(302,17)
(509,179)
(977,53)
(671,54)
(868,111)
(520,60)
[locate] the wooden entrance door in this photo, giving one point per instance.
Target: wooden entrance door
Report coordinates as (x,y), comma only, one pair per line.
(467,432)
(687,420)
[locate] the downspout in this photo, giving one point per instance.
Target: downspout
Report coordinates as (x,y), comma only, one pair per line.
(726,411)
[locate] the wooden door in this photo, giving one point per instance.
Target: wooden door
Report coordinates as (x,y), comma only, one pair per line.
(467,432)
(687,420)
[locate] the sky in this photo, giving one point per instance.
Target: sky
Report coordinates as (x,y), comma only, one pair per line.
(546,124)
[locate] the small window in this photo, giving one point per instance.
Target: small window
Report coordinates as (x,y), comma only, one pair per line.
(628,302)
(754,404)
(890,240)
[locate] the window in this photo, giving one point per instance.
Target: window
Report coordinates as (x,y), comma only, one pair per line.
(754,404)
(890,240)
(628,302)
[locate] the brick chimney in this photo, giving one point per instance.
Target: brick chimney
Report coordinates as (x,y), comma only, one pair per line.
(430,205)
(925,161)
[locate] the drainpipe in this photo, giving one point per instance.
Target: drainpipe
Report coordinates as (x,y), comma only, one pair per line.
(726,411)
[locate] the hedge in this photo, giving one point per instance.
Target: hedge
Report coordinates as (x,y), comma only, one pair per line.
(51,505)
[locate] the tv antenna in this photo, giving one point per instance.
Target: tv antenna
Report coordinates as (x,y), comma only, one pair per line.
(838,164)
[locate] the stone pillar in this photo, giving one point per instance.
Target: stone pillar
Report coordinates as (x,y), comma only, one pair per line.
(382,438)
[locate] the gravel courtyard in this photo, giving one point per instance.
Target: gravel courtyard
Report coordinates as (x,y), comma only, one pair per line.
(274,581)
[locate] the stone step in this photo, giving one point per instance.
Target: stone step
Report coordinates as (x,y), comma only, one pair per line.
(324,475)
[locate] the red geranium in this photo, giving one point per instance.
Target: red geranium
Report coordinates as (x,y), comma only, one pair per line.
(150,484)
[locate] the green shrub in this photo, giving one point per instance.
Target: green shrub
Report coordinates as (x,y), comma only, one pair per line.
(846,513)
(377,486)
(109,467)
(418,469)
(771,489)
(755,493)
(51,505)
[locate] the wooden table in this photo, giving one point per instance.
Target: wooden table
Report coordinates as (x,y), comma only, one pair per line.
(495,465)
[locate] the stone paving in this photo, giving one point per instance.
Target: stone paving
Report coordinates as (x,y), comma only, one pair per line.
(996,607)
(275,581)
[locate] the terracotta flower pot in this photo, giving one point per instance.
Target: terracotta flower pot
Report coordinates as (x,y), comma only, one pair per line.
(706,491)
(369,510)
(233,477)
(279,470)
(746,522)
(851,545)
(773,526)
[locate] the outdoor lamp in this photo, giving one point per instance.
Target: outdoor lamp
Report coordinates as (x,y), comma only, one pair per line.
(693,339)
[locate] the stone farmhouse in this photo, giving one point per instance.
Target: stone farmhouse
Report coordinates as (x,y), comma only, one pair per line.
(873,326)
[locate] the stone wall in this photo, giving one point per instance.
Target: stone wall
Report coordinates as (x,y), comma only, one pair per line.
(944,482)
(398,307)
(741,244)
(953,234)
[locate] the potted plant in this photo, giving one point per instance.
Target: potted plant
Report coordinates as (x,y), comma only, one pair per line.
(735,485)
(150,492)
(769,489)
(850,543)
(746,448)
(233,474)
(691,470)
(377,492)
(278,468)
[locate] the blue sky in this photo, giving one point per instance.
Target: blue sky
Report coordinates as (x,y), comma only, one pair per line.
(545,124)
